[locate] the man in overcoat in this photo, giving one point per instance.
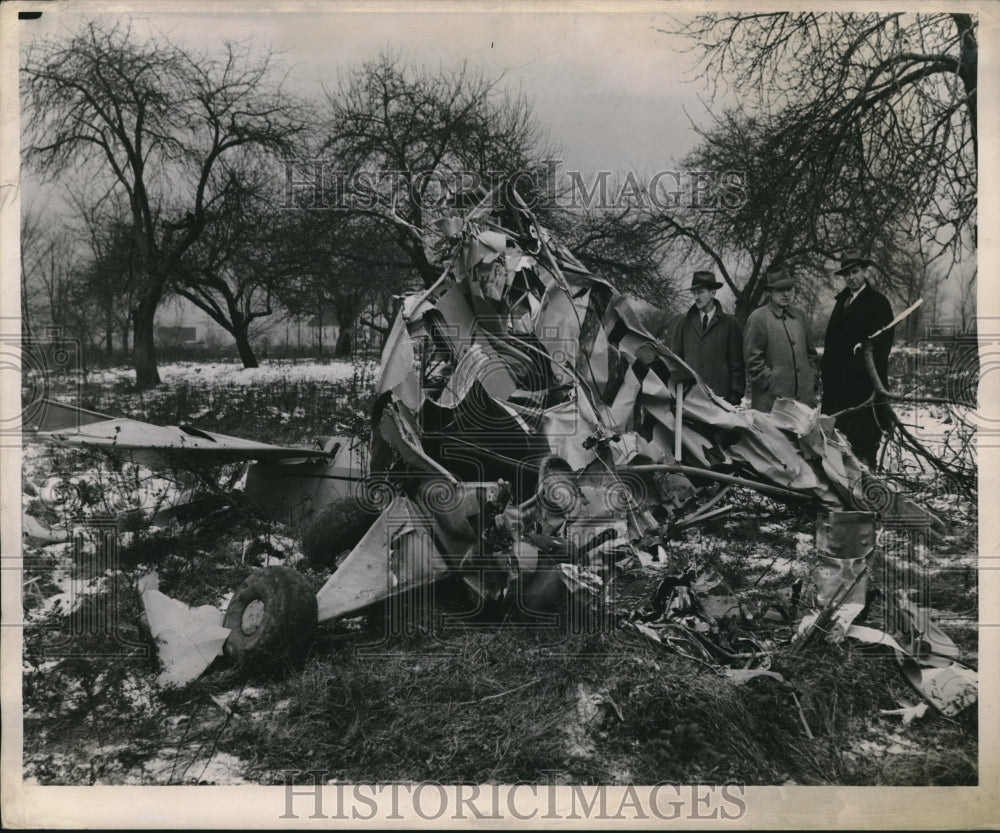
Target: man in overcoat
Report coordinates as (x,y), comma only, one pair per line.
(780,357)
(711,341)
(860,311)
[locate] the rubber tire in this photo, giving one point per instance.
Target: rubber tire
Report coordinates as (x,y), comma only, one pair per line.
(338,526)
(287,624)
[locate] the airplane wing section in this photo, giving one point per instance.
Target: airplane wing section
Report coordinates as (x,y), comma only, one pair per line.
(157,445)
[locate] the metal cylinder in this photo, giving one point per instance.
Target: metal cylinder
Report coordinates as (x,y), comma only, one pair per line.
(845,542)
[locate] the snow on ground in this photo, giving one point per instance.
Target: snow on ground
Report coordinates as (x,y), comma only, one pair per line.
(221,768)
(72,592)
(233,373)
(939,427)
(884,745)
(99,766)
(922,348)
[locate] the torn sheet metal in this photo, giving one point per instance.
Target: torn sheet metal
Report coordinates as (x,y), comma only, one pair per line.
(927,656)
(700,617)
(452,509)
(517,351)
(949,689)
(188,638)
(397,375)
(946,684)
(620,375)
(845,542)
(917,631)
(398,429)
(461,331)
(292,491)
(396,554)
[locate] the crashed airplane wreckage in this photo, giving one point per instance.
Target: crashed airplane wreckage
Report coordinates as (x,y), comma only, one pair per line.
(528,433)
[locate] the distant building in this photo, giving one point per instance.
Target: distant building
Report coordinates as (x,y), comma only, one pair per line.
(323,327)
(179,322)
(173,336)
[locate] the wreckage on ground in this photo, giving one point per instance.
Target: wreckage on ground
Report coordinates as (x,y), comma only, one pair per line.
(529,433)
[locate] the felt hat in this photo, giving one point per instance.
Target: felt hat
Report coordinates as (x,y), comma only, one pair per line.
(704,279)
(779,279)
(852,258)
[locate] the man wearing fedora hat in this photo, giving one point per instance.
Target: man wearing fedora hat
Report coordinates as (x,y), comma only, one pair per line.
(711,341)
(780,357)
(860,311)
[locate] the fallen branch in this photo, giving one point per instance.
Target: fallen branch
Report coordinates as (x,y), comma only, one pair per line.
(881,398)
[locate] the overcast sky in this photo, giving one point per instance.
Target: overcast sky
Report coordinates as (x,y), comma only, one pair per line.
(612,90)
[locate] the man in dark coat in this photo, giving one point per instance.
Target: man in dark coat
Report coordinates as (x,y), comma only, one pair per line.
(711,341)
(860,311)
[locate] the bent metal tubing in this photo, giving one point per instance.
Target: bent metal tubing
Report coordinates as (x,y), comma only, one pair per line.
(708,474)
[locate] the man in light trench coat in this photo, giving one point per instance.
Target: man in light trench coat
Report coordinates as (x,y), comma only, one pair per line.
(780,357)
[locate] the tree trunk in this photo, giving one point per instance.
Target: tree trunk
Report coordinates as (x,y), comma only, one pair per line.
(109,335)
(968,72)
(144,349)
(242,337)
(25,310)
(346,316)
(345,343)
(742,309)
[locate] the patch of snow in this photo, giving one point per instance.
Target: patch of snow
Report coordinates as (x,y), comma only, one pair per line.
(42,667)
(805,543)
(233,373)
(783,566)
(897,746)
(588,711)
(221,768)
(71,593)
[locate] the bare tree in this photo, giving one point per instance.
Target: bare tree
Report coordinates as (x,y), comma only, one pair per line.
(47,276)
(341,263)
(110,274)
(160,124)
(624,246)
(232,270)
(772,200)
(31,249)
(965,305)
(897,91)
(411,143)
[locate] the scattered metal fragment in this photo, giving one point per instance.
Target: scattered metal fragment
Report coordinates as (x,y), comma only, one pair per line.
(188,638)
(520,367)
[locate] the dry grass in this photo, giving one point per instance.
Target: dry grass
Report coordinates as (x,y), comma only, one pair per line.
(468,701)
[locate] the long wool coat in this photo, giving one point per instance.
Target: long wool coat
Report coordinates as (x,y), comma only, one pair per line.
(716,353)
(780,357)
(845,380)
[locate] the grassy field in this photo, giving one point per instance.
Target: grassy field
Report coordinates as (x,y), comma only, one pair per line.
(451,698)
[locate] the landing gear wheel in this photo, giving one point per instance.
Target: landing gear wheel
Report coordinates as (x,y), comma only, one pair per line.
(271,619)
